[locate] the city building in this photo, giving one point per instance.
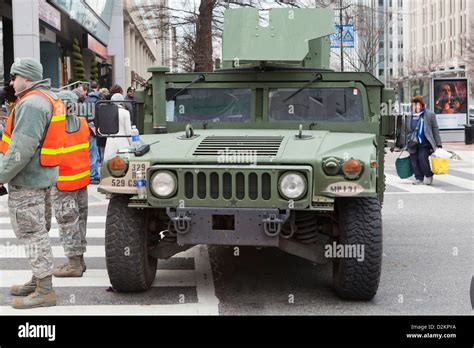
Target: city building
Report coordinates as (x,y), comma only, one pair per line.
(108,32)
(46,30)
(438,43)
(146,38)
(390,56)
(378,38)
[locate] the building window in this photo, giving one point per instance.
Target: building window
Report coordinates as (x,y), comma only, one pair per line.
(391,44)
(380,72)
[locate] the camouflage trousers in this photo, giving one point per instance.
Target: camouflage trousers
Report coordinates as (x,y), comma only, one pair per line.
(27,209)
(70,210)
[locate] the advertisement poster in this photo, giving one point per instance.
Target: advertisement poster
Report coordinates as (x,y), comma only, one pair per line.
(450,102)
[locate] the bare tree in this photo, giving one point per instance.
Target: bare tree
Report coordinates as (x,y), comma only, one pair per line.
(197,28)
(200,28)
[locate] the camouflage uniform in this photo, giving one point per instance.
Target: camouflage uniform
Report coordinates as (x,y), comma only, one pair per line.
(28,212)
(70,209)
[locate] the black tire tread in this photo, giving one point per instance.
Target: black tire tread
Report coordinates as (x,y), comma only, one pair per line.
(125,227)
(360,223)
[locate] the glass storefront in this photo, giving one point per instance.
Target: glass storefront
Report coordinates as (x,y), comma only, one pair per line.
(94,15)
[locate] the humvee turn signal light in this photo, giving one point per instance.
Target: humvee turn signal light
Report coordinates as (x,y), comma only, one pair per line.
(352,168)
(117,167)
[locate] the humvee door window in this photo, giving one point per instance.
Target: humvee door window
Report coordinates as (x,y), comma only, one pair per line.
(208,104)
(316,104)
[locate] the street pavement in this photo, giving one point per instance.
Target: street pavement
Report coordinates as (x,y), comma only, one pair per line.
(427,264)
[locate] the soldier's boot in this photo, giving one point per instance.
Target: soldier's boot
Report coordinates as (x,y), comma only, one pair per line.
(72,268)
(25,289)
(83,263)
(43,296)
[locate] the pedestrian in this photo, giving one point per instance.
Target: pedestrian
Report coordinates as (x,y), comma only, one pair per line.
(30,153)
(125,128)
(103,92)
(69,196)
(81,91)
(115,89)
(130,102)
(421,139)
(94,85)
(94,149)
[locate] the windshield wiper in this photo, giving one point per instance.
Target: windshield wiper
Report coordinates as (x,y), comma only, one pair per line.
(197,79)
(316,78)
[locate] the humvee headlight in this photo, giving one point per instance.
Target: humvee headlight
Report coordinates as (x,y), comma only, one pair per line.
(117,167)
(292,185)
(331,166)
(163,184)
(352,168)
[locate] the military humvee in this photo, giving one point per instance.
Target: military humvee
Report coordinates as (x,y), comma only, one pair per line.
(273,149)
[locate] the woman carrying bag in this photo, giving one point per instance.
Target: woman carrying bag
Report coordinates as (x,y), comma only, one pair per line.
(421,139)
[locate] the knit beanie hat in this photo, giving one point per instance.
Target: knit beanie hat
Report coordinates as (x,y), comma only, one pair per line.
(27,67)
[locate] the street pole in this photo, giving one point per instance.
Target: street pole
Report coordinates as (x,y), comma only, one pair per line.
(341,31)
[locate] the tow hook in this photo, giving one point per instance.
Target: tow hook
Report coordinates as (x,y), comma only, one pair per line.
(181,222)
(272,224)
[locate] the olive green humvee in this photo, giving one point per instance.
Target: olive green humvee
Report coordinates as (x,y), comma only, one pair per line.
(272,149)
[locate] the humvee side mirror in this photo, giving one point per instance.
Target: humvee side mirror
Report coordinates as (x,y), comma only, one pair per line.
(106,118)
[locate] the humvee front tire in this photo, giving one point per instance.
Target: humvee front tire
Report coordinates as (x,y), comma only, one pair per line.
(360,223)
(129,266)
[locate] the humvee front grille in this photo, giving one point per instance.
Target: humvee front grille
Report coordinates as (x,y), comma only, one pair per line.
(238,185)
(239,145)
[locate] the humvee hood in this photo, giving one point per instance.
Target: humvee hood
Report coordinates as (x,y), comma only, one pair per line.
(269,146)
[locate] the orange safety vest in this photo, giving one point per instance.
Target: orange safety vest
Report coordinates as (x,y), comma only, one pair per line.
(53,141)
(74,170)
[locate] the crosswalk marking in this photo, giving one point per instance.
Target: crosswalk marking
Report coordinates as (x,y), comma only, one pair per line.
(468,170)
(208,303)
(99,277)
(406,184)
(54,233)
(90,219)
(455,180)
(173,309)
(58,252)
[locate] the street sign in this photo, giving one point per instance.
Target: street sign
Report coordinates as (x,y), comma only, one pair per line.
(347,36)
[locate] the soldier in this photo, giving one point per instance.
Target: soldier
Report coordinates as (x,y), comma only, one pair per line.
(31,144)
(70,194)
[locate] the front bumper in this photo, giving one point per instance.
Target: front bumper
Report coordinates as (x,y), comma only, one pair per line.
(228,226)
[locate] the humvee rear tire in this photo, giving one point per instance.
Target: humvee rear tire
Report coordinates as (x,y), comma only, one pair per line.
(360,223)
(129,266)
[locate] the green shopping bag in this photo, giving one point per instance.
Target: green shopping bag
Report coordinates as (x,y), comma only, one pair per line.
(403,167)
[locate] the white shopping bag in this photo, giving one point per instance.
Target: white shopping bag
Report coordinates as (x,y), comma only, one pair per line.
(442,153)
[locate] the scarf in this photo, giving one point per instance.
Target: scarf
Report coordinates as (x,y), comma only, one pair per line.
(420,126)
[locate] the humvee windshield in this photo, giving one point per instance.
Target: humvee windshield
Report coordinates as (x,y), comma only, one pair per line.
(315,104)
(208,104)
